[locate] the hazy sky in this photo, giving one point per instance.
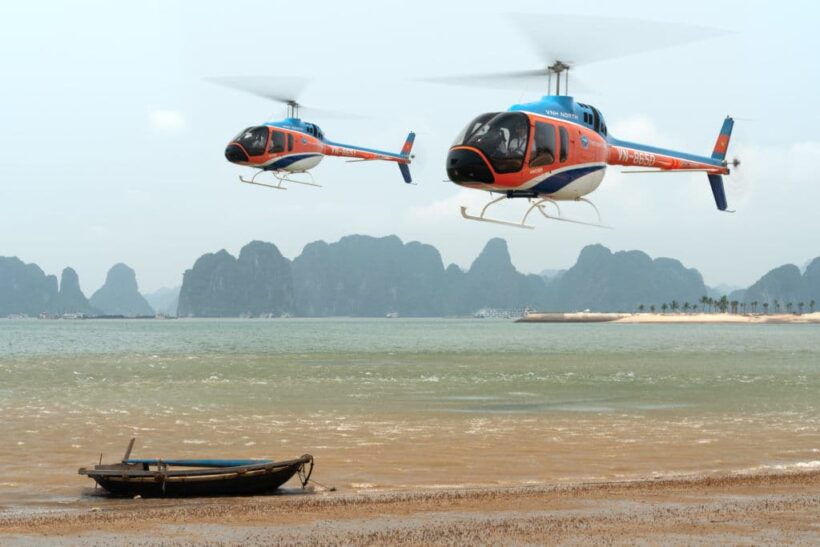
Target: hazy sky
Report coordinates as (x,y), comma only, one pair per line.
(112,141)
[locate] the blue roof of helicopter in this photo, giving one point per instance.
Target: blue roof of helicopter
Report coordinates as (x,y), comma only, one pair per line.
(557,106)
(295,124)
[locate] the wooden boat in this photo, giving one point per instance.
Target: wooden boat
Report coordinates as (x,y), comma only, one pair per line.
(188,478)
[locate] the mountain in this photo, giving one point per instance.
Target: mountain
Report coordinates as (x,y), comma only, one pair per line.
(605,281)
(786,284)
(120,294)
(164,300)
(219,285)
(551,275)
(368,276)
(493,282)
(71,299)
(356,276)
(724,289)
(25,288)
(372,276)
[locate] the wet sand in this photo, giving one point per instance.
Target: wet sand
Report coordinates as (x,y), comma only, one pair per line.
(735,509)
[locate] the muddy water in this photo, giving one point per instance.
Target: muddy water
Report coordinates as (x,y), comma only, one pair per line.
(406,403)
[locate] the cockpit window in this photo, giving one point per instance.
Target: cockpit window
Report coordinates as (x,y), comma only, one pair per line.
(277,142)
(503,139)
(253,140)
(469,131)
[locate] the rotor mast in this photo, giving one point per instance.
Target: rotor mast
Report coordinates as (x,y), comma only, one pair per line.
(293,109)
(558,68)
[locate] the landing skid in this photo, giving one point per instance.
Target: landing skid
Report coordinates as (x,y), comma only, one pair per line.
(281,178)
(540,206)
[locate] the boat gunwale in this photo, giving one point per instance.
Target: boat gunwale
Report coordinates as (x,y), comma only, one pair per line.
(227,472)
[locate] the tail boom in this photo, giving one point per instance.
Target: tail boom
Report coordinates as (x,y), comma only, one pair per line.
(649,157)
(358,153)
(659,160)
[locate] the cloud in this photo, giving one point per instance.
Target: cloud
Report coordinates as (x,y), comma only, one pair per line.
(169,121)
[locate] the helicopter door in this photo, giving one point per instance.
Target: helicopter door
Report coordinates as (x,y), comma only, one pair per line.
(290,142)
(277,142)
(543,145)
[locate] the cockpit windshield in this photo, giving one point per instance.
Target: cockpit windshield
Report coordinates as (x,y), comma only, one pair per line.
(502,138)
(469,131)
(253,140)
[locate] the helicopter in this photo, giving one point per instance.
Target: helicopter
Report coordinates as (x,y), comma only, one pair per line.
(557,149)
(292,146)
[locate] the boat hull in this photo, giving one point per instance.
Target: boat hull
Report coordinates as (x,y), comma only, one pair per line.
(239,481)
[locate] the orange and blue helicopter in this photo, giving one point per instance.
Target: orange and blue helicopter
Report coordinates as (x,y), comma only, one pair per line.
(557,149)
(293,146)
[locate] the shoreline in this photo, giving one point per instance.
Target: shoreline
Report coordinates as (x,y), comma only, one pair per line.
(745,508)
(672,318)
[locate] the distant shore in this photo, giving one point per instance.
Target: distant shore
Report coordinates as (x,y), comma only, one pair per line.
(703,318)
(745,509)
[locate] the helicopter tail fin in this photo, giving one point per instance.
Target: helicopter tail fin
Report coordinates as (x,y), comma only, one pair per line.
(719,153)
(722,144)
(716,182)
(404,165)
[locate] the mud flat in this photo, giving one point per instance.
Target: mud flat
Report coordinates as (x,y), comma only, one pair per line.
(689,318)
(735,509)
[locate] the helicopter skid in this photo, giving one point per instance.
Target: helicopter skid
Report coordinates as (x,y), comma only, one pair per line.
(281,177)
(482,218)
(540,206)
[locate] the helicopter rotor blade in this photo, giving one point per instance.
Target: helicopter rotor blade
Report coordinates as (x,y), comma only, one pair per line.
(570,41)
(508,80)
(286,90)
(584,39)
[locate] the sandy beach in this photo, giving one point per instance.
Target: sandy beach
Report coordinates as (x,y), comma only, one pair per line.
(673,318)
(736,509)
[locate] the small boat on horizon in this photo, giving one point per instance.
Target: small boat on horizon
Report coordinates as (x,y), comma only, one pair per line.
(196,477)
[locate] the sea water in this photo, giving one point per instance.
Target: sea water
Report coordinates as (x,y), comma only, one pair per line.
(405,403)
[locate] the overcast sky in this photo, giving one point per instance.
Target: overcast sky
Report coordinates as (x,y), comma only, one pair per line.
(112,141)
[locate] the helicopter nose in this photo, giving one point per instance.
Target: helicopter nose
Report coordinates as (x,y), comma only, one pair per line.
(466,165)
(235,154)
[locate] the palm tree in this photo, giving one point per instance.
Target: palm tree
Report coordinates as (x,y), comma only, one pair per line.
(743,308)
(723,303)
(664,307)
(694,308)
(766,308)
(811,306)
(789,307)
(640,308)
(801,305)
(674,305)
(686,307)
(704,300)
(652,308)
(754,306)
(776,305)
(734,304)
